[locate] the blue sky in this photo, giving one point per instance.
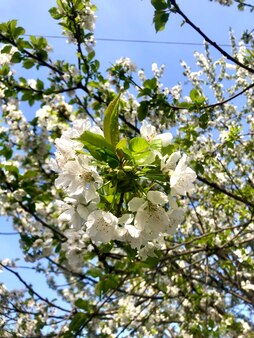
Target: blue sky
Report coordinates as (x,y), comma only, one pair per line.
(119,19)
(132,19)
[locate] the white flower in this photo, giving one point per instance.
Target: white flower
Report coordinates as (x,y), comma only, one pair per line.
(135,203)
(78,175)
(176,217)
(165,138)
(151,218)
(68,145)
(181,181)
(6,261)
(128,228)
(168,163)
(176,92)
(66,150)
(19,194)
(147,251)
(102,226)
(76,210)
(157,197)
(69,212)
(127,64)
(247,285)
(79,127)
(148,132)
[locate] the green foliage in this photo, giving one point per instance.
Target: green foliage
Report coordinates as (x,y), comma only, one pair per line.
(55,13)
(110,122)
(197,97)
(11,30)
(99,148)
(143,110)
(161,14)
(76,323)
(106,283)
(138,145)
(82,304)
(160,19)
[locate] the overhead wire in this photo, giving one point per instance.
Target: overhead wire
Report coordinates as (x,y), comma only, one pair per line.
(132,40)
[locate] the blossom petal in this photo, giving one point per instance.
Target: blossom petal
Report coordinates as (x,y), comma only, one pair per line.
(135,203)
(157,197)
(165,138)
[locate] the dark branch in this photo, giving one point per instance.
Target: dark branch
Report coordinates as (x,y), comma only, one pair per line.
(224,191)
(207,39)
(29,288)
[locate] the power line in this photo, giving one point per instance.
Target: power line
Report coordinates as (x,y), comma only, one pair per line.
(134,41)
(9,233)
(158,42)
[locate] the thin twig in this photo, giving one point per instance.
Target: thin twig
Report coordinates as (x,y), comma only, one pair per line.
(207,39)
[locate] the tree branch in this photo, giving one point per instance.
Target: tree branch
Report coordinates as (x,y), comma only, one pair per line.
(224,191)
(30,289)
(207,39)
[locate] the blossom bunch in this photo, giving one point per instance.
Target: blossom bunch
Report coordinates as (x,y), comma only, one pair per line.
(83,24)
(118,189)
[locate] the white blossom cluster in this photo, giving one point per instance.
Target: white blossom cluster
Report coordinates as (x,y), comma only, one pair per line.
(5,58)
(127,64)
(85,19)
(146,219)
(225,2)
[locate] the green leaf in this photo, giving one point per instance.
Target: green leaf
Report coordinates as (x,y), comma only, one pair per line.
(95,140)
(22,44)
(19,31)
(39,84)
(152,262)
(30,174)
(4,70)
(33,40)
(94,272)
(54,13)
(144,158)
(99,148)
(77,321)
(155,174)
(122,144)
(143,110)
(141,151)
(6,152)
(82,304)
(12,25)
(103,155)
(60,4)
(159,4)
(160,19)
(196,96)
(150,83)
(93,84)
(186,105)
(110,123)
(12,169)
(6,49)
(138,144)
(106,247)
(107,282)
(203,120)
(16,57)
(199,168)
(122,149)
(28,63)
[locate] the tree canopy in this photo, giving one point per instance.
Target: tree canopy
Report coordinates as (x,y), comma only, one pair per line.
(136,196)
